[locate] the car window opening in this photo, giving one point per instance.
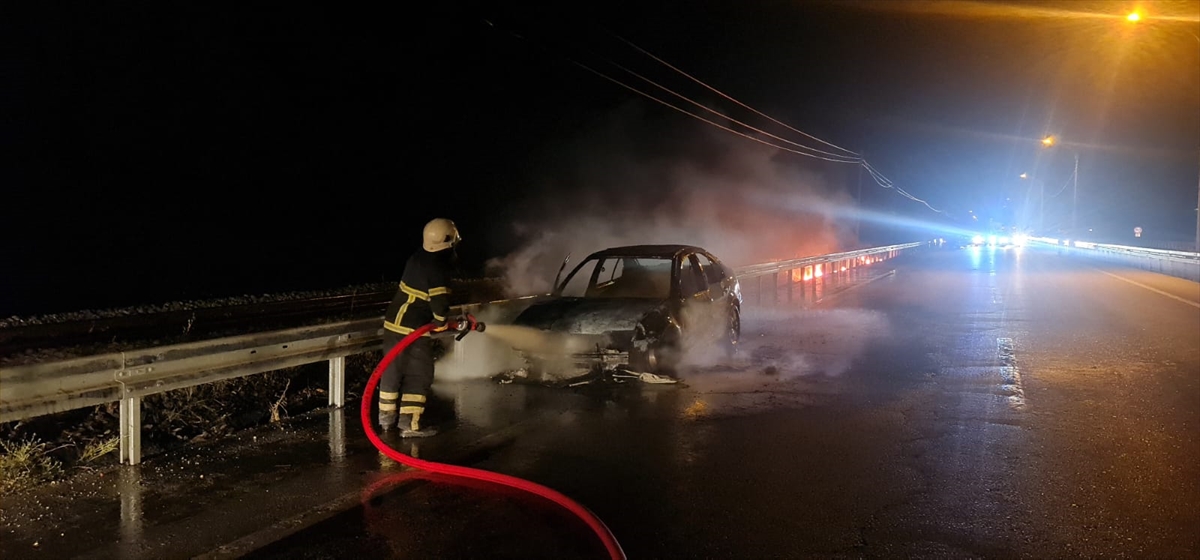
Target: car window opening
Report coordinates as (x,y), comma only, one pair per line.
(620,277)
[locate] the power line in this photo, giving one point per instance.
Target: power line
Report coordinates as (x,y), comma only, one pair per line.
(722,94)
(715,112)
(875,174)
(1064,187)
(833,157)
(700,118)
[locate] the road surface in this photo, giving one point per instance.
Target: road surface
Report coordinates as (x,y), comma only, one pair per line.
(974,403)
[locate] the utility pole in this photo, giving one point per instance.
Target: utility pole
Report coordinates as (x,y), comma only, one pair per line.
(858,199)
(1075,196)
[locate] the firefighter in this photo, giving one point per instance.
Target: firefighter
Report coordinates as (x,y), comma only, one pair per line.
(423,298)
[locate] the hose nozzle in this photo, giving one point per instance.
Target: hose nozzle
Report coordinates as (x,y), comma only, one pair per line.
(466,324)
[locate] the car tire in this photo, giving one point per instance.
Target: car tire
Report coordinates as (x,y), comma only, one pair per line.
(733,332)
(661,360)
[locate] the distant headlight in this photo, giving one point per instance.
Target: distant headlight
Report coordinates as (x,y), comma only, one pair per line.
(978,240)
(1020,239)
(1004,241)
(991,240)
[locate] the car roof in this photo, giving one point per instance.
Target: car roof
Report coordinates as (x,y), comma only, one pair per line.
(663,251)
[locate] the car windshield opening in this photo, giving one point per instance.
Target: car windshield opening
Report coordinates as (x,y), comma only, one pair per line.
(620,277)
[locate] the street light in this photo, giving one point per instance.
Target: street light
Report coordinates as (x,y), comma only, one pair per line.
(1133,16)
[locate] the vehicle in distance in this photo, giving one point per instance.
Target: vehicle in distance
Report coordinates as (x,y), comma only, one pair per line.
(1001,240)
(636,308)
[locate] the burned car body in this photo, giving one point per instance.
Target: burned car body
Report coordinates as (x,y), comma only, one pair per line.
(634,307)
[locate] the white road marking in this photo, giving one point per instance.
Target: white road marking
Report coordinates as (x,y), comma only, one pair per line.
(1006,353)
(1155,290)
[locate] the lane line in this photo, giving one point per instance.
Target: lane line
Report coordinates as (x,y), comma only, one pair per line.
(1155,290)
(1010,374)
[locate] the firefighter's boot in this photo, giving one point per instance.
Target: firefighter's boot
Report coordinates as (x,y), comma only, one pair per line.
(387,421)
(410,427)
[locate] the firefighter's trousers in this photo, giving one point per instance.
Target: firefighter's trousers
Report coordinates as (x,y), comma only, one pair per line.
(406,382)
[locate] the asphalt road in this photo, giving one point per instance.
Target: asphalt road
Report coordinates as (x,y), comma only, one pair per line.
(974,404)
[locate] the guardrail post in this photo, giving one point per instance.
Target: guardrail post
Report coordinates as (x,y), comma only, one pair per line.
(775,287)
(337,381)
(787,274)
(131,430)
(337,436)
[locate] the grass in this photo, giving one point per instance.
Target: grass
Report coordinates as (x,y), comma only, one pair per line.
(26,464)
(53,447)
(96,449)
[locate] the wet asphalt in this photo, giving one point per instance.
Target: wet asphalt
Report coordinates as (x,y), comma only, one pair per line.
(970,404)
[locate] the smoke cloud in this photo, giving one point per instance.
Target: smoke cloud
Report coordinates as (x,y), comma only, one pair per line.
(633,180)
(781,345)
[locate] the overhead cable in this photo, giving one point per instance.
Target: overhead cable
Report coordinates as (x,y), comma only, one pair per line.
(845,159)
(1064,187)
(722,94)
(715,112)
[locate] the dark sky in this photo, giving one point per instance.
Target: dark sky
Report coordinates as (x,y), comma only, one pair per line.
(161,151)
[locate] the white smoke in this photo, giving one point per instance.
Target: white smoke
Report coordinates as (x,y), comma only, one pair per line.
(626,183)
(780,345)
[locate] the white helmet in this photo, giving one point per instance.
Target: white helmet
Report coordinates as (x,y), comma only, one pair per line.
(440,234)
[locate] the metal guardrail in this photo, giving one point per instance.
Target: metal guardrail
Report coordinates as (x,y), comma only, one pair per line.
(46,388)
(848,257)
(1180,264)
(813,267)
(127,377)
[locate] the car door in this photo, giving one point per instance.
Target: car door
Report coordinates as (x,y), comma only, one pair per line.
(696,302)
(716,278)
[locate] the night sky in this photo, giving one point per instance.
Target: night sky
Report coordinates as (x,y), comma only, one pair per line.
(158,152)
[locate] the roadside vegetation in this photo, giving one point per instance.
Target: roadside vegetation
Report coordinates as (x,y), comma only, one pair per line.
(50,448)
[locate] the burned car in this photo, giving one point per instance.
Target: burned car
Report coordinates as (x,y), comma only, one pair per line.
(636,308)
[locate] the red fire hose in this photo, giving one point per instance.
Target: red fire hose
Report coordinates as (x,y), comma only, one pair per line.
(598,526)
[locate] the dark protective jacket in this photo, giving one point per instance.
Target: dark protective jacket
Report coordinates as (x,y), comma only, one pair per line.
(424,294)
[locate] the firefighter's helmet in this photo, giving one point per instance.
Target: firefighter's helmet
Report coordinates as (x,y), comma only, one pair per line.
(440,234)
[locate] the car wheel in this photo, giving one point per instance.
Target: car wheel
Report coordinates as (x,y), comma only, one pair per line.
(661,360)
(733,332)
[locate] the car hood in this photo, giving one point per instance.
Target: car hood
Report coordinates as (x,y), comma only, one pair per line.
(587,315)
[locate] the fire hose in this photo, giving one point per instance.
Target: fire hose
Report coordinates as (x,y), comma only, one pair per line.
(466,325)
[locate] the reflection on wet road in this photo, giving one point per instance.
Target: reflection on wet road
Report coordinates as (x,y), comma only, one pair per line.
(973,404)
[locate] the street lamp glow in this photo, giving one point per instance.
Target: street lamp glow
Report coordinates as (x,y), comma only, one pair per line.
(1133,16)
(1048,141)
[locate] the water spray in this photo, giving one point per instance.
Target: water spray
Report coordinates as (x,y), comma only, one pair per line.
(464,326)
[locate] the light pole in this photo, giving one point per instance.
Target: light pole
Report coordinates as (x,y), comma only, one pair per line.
(1075,194)
(1051,141)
